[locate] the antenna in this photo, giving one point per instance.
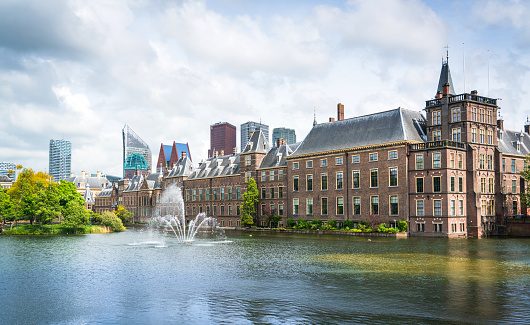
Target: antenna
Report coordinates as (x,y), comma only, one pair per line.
(447,54)
(488,73)
(464,64)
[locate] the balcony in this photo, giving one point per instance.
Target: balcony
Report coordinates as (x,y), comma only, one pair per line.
(463,97)
(437,145)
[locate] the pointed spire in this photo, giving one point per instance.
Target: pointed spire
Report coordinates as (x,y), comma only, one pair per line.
(314,115)
(445,77)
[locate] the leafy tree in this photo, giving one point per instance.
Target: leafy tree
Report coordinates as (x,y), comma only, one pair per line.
(68,192)
(75,214)
(6,209)
(109,219)
(47,204)
(250,199)
(123,214)
(525,174)
(402,226)
(273,221)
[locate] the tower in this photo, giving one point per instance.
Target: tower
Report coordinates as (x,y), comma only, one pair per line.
(132,143)
(222,138)
(60,159)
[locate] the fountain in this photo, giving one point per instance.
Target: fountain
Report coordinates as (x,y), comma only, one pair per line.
(170,212)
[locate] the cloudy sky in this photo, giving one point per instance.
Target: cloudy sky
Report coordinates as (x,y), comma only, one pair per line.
(80,70)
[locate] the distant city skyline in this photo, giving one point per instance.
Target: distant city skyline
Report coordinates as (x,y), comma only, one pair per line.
(250,127)
(60,159)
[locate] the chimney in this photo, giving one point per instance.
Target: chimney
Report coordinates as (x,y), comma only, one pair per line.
(527,126)
(474,92)
(215,153)
(439,95)
(500,124)
(221,152)
(83,174)
(98,173)
(331,119)
(340,112)
(234,150)
(72,175)
(183,153)
(280,142)
(445,89)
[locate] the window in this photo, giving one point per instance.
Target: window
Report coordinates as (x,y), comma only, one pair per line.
(436,135)
(374,181)
(280,192)
(295,183)
(207,194)
(309,206)
(436,160)
(452,160)
(483,185)
(230,193)
(215,194)
(437,227)
(280,209)
(229,210)
(514,207)
(419,208)
(490,137)
(323,162)
(373,156)
(338,161)
(272,192)
(419,162)
(453,208)
(340,205)
(248,175)
(295,165)
(187,195)
(394,205)
(248,160)
(514,186)
(420,227)
(491,185)
(263,176)
(280,175)
(490,162)
(263,193)
(481,136)
(339,180)
(324,205)
(460,161)
(374,208)
(194,195)
(503,165)
(393,176)
(461,207)
(462,227)
(355,159)
(392,154)
(456,114)
(222,193)
(474,135)
(356,205)
(324,181)
(238,193)
(513,165)
(436,186)
(436,117)
(309,182)
(482,161)
(437,208)
(222,210)
(419,185)
(456,134)
(295,206)
(474,114)
(271,174)
(356,175)
(309,164)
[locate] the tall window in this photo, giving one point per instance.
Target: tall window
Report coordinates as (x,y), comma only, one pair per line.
(419,185)
(272,192)
(272,175)
(394,205)
(340,205)
(460,161)
(419,161)
(339,180)
(280,192)
(436,117)
(374,180)
(436,135)
(207,194)
(474,135)
(280,209)
(295,183)
(309,183)
(461,207)
(419,208)
(503,165)
(456,134)
(436,160)
(356,205)
(324,205)
(215,194)
(393,175)
(309,206)
(222,193)
(374,208)
(490,162)
(453,207)
(436,184)
(456,114)
(437,208)
(324,181)
(514,186)
(452,160)
(513,165)
(356,175)
(474,114)
(481,136)
(263,193)
(491,185)
(280,175)
(248,160)
(452,184)
(263,176)
(295,206)
(238,192)
(490,137)
(230,193)
(482,185)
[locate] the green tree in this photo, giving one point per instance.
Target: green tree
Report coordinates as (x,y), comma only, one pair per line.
(123,214)
(47,204)
(250,199)
(525,174)
(6,209)
(75,214)
(109,219)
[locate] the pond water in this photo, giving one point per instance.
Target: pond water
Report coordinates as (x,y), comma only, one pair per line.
(147,277)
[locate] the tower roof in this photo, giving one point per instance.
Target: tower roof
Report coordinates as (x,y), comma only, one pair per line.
(445,77)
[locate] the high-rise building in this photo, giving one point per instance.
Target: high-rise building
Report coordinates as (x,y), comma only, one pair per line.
(132,143)
(250,127)
(222,138)
(288,135)
(5,167)
(60,159)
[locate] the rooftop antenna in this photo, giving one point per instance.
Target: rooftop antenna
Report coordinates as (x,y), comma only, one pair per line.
(488,73)
(447,54)
(464,64)
(314,115)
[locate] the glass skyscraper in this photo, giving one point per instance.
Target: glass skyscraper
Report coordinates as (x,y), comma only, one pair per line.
(132,143)
(288,135)
(60,159)
(251,127)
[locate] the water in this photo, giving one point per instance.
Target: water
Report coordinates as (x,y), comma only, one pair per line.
(146,277)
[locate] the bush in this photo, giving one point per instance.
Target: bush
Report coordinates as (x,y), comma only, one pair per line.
(291,223)
(332,224)
(383,228)
(109,219)
(349,224)
(96,218)
(402,226)
(303,224)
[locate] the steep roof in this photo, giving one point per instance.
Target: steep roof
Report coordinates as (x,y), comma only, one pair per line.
(134,183)
(445,77)
(93,182)
(275,157)
(217,166)
(107,191)
(182,168)
(508,142)
(89,197)
(384,127)
(257,143)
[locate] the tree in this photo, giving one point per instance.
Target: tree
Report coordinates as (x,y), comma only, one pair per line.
(6,209)
(109,219)
(75,214)
(123,213)
(250,199)
(525,174)
(47,204)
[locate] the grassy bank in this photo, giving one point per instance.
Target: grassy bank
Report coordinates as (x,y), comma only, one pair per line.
(57,230)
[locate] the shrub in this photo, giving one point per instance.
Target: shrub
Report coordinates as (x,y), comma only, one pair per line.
(109,219)
(402,226)
(303,224)
(291,223)
(332,224)
(383,228)
(349,224)
(96,218)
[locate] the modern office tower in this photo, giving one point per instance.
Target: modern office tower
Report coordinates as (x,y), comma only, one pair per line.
(222,138)
(60,159)
(132,143)
(288,135)
(251,127)
(5,167)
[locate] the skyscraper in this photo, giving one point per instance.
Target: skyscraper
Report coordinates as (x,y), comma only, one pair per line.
(60,159)
(222,137)
(132,143)
(288,135)
(251,127)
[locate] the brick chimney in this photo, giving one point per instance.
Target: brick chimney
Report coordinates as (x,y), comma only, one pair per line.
(332,119)
(280,142)
(439,95)
(500,124)
(183,154)
(98,173)
(340,112)
(445,89)
(474,92)
(221,153)
(83,174)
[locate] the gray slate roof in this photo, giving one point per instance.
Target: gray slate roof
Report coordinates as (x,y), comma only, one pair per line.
(257,143)
(183,167)
(275,157)
(445,77)
(89,197)
(134,183)
(93,182)
(217,166)
(384,127)
(153,181)
(5,179)
(107,191)
(509,140)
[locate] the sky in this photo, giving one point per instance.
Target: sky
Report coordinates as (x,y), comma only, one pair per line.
(79,70)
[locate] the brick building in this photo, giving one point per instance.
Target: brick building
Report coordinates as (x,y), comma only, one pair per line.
(222,139)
